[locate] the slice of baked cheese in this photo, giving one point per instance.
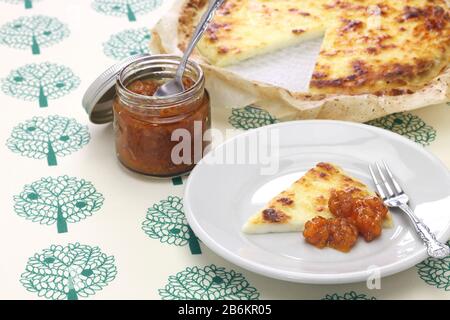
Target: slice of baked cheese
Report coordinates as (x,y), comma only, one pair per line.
(305,199)
(243,29)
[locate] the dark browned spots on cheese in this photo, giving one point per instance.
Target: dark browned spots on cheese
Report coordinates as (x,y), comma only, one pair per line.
(377,44)
(212,36)
(319,75)
(397,91)
(399,70)
(226,8)
(274,216)
(285,201)
(351,25)
(396,70)
(298,31)
(394,92)
(435,18)
(360,67)
(381,38)
(297,11)
(372,50)
(339,82)
(323,176)
(318,174)
(341,4)
(364,75)
(411,13)
(326,166)
(223,50)
(214,28)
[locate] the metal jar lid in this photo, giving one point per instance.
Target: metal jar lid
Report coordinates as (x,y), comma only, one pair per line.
(98,99)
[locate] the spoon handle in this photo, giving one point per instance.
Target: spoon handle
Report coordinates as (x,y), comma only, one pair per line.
(201,27)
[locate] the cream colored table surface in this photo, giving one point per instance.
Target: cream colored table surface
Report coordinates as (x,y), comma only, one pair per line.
(108,239)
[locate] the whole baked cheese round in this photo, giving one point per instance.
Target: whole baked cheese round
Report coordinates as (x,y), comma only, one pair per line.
(371,48)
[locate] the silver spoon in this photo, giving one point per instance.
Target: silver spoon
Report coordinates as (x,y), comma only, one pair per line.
(175,85)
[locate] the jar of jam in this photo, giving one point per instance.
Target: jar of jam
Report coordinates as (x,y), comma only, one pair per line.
(160,136)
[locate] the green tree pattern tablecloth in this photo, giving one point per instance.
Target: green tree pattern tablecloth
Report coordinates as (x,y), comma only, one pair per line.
(120,235)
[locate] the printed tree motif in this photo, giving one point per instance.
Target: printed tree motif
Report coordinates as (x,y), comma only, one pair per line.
(436,272)
(177,181)
(166,221)
(68,272)
(208,283)
(250,117)
(127,43)
(352,295)
(128,8)
(27,3)
(58,200)
(48,137)
(33,32)
(407,125)
(40,82)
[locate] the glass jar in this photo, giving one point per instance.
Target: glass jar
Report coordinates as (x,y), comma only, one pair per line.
(160,136)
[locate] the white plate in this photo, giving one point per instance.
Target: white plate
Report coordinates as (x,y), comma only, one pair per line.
(220,197)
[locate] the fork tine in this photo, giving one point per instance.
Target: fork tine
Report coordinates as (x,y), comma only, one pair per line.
(397,187)
(377,184)
(385,182)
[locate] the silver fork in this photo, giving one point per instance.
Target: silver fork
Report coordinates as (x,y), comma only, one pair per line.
(394,197)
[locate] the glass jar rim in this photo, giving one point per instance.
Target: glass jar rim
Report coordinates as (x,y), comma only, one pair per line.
(167,101)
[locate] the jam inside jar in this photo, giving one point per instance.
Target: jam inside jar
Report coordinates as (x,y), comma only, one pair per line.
(160,136)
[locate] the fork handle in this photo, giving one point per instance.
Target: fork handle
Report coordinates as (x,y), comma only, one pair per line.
(435,248)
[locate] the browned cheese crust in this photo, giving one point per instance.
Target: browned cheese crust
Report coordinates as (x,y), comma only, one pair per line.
(409,48)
